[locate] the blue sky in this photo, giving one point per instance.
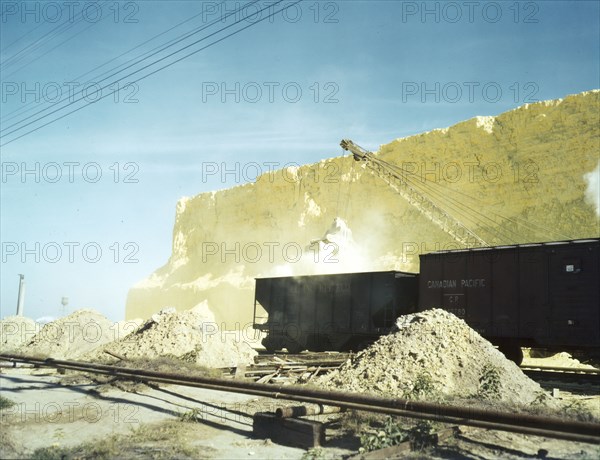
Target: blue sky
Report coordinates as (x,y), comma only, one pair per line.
(295,84)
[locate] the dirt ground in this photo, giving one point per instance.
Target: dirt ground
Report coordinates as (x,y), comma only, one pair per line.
(155,423)
(49,413)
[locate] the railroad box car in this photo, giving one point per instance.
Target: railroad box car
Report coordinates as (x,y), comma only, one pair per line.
(331,312)
(543,294)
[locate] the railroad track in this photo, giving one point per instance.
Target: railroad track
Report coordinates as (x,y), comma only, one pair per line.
(470,416)
(571,375)
(282,363)
(309,357)
(572,380)
(288,368)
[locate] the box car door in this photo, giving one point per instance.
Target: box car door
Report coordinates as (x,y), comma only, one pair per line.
(406,294)
(478,284)
(573,288)
(430,269)
(534,310)
(504,293)
(382,301)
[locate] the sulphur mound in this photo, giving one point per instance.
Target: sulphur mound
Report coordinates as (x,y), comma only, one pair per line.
(433,353)
(72,336)
(526,175)
(191,335)
(15,331)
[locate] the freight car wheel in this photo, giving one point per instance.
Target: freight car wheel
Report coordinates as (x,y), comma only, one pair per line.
(357,345)
(512,351)
(271,344)
(318,342)
(294,347)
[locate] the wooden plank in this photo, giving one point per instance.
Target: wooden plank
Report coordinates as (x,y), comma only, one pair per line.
(266,378)
(288,431)
(240,372)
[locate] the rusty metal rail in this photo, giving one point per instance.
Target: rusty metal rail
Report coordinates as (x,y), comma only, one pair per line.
(568,374)
(567,370)
(323,356)
(528,424)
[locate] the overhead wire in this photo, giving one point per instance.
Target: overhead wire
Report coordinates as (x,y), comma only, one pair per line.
(68,39)
(13,114)
(133,64)
(43,40)
(165,66)
(41,24)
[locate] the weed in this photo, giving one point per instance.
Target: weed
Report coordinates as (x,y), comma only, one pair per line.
(356,421)
(578,411)
(422,435)
(6,403)
(390,435)
(489,382)
(51,453)
(59,435)
(164,440)
(191,415)
(540,400)
(422,387)
(181,365)
(316,453)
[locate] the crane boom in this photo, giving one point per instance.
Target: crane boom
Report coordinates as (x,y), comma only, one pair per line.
(395,179)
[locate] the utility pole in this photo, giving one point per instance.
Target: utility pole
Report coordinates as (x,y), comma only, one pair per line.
(64,301)
(21,298)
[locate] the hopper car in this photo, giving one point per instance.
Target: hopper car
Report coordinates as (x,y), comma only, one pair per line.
(540,295)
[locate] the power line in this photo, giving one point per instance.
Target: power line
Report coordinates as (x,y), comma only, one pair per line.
(57,46)
(67,24)
(170,64)
(131,65)
(14,113)
(25,34)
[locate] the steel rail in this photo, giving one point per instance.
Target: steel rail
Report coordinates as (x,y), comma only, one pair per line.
(518,423)
(565,370)
(304,357)
(582,376)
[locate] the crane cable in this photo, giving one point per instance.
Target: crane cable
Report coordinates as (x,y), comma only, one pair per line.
(471,213)
(504,219)
(350,180)
(392,170)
